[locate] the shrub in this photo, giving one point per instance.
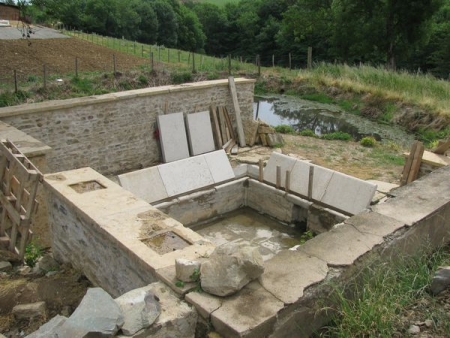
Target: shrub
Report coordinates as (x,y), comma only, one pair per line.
(338,135)
(307,132)
(368,141)
(181,77)
(284,129)
(32,253)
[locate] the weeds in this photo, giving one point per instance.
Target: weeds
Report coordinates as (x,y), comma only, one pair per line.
(32,253)
(307,132)
(368,142)
(339,135)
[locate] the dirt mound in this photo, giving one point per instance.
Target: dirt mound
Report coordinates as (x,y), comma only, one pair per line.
(27,57)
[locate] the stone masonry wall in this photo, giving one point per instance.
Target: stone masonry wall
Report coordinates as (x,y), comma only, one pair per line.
(114,133)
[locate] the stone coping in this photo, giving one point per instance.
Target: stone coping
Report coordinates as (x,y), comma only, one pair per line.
(28,145)
(43,107)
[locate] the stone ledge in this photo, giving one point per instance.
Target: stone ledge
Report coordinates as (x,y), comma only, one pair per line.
(48,106)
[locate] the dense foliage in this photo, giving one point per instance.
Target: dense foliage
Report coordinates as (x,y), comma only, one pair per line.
(412,35)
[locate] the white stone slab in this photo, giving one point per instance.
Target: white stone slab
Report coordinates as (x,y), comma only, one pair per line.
(219,166)
(300,177)
(146,184)
(172,134)
(185,175)
(322,177)
(270,171)
(348,193)
(199,133)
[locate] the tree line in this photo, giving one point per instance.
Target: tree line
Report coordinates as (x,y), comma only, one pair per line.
(412,35)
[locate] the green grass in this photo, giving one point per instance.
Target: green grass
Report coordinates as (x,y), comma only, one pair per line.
(384,155)
(338,135)
(381,295)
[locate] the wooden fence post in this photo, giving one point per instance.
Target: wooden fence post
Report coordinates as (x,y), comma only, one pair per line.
(15,81)
(193,62)
(76,66)
(114,64)
(45,76)
(309,57)
(290,61)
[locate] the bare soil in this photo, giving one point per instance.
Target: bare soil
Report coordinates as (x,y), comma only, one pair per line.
(27,57)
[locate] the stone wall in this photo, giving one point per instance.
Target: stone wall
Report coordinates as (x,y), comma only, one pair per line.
(114,133)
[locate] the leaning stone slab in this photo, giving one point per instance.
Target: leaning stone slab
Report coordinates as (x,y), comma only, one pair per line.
(140,308)
(270,171)
(250,313)
(49,328)
(219,166)
(145,183)
(28,311)
(289,272)
(172,134)
(230,267)
(250,131)
(200,134)
(97,315)
(441,280)
(340,246)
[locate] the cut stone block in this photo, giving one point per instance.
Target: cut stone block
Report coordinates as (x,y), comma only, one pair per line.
(270,171)
(219,166)
(348,193)
(204,303)
(146,184)
(252,311)
(200,134)
(172,134)
(185,175)
(300,177)
(250,131)
(288,273)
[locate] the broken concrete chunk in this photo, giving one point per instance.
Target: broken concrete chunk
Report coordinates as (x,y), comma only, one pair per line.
(230,267)
(97,315)
(441,280)
(140,308)
(186,269)
(27,311)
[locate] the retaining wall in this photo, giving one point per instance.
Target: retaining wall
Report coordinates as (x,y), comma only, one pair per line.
(114,133)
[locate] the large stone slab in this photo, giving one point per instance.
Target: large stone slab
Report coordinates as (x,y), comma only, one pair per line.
(186,175)
(340,246)
(172,134)
(199,132)
(288,273)
(375,224)
(348,193)
(146,184)
(219,166)
(270,171)
(250,313)
(299,180)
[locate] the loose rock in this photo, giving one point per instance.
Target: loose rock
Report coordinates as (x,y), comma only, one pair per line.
(414,329)
(441,280)
(32,310)
(5,266)
(230,267)
(185,269)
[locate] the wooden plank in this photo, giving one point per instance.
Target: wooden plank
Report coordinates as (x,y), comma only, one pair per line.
(408,164)
(287,185)
(222,125)
(261,170)
(237,111)
(442,148)
(216,129)
(278,180)
(310,182)
(230,146)
(229,124)
(226,145)
(416,162)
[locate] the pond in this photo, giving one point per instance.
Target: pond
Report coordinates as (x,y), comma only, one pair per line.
(323,119)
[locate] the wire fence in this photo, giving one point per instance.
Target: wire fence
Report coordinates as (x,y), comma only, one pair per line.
(146,58)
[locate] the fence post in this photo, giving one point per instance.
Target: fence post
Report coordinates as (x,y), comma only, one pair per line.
(290,61)
(273,60)
(45,77)
(168,55)
(134,47)
(15,81)
(259,64)
(309,57)
(159,53)
(142,50)
(114,64)
(152,63)
(229,64)
(179,56)
(76,66)
(193,62)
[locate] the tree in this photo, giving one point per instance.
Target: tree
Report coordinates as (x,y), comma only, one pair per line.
(190,31)
(167,23)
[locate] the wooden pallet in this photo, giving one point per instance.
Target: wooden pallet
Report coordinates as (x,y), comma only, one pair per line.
(19,180)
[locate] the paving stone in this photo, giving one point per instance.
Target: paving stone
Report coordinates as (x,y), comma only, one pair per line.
(204,303)
(199,132)
(219,165)
(249,313)
(288,273)
(340,246)
(185,175)
(172,134)
(146,184)
(270,171)
(374,223)
(348,193)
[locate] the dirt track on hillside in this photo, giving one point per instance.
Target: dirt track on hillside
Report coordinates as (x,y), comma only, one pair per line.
(27,57)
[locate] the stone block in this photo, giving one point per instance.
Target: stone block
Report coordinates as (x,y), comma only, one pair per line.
(250,131)
(288,273)
(172,135)
(270,171)
(185,269)
(274,140)
(185,175)
(49,328)
(204,303)
(219,166)
(299,180)
(199,132)
(146,184)
(28,311)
